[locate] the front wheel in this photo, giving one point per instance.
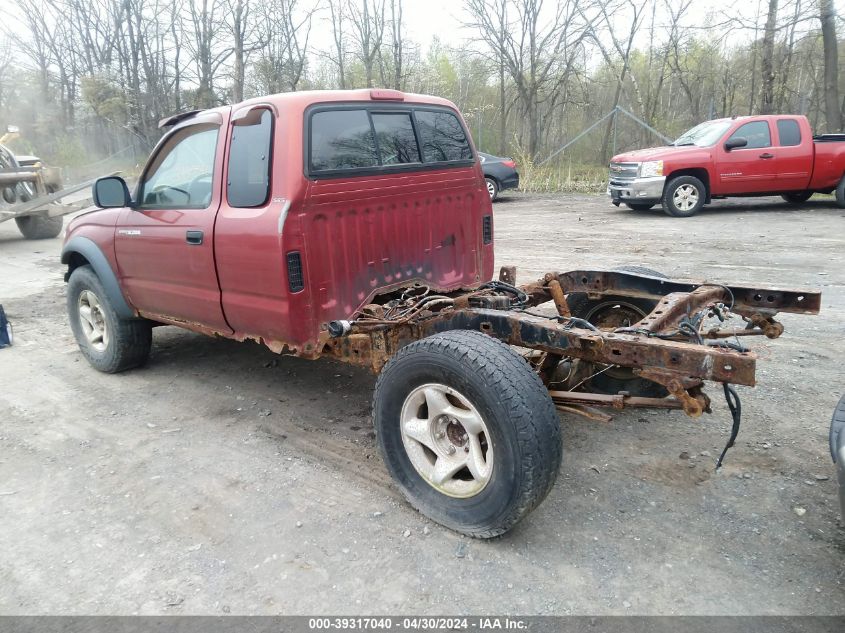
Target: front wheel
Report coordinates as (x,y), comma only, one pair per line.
(684,196)
(797,198)
(111,344)
(468,431)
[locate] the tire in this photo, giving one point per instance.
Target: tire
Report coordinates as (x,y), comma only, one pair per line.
(39,227)
(122,343)
(799,197)
(496,388)
(840,193)
(688,188)
(492,189)
(638,206)
(619,310)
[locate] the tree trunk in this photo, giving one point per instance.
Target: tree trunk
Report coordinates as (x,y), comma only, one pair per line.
(833,114)
(767,101)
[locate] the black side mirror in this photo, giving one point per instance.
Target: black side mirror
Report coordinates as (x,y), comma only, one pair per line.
(111,192)
(733,143)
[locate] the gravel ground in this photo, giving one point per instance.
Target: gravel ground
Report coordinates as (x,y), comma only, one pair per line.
(221,478)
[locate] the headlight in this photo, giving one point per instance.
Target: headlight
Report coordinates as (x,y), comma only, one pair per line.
(651,168)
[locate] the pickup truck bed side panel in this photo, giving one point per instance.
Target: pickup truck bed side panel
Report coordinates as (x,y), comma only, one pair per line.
(829,165)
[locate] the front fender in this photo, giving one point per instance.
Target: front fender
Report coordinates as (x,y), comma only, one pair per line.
(94,256)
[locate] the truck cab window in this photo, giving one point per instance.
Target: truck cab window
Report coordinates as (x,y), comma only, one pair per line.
(342,139)
(757,133)
(442,137)
(397,143)
(180,175)
(789,133)
(248,182)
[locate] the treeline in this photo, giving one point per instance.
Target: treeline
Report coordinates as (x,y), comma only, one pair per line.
(86,79)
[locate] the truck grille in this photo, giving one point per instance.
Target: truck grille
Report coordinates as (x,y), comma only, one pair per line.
(623,173)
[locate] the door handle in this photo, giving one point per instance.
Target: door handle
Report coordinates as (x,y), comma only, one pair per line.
(193,237)
(767,155)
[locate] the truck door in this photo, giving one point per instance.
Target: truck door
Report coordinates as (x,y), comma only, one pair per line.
(748,169)
(794,157)
(165,244)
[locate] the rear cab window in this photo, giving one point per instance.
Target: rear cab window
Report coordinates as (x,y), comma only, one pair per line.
(365,139)
(789,133)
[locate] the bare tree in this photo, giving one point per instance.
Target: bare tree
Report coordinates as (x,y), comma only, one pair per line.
(538,46)
(367,18)
(285,32)
(337,11)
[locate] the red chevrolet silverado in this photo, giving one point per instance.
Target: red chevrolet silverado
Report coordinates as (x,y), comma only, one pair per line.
(356,225)
(741,156)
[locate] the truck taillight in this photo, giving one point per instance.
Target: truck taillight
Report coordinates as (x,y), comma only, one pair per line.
(509,163)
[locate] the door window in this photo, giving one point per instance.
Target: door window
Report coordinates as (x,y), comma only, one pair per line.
(789,133)
(248,182)
(181,174)
(756,133)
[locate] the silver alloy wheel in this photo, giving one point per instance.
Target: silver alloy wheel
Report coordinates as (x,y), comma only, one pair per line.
(93,321)
(685,197)
(491,188)
(446,440)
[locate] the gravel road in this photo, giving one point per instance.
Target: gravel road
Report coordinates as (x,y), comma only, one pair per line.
(222,478)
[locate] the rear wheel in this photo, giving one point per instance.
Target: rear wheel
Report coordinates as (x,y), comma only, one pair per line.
(840,193)
(608,313)
(468,431)
(639,206)
(492,188)
(111,344)
(684,196)
(799,197)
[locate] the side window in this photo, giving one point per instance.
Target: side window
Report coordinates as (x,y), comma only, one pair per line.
(397,143)
(248,182)
(757,133)
(789,133)
(342,139)
(442,137)
(181,173)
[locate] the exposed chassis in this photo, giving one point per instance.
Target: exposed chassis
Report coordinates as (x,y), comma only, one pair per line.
(663,347)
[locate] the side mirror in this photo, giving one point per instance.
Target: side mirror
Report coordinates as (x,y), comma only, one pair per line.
(111,192)
(734,143)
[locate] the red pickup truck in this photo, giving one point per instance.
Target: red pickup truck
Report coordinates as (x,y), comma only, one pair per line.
(356,225)
(741,156)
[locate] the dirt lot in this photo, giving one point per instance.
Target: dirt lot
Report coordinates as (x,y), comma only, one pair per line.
(224,479)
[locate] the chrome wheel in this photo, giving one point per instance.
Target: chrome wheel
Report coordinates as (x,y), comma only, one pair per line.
(93,321)
(491,188)
(446,440)
(685,197)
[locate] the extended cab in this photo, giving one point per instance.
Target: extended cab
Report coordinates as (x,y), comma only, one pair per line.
(741,156)
(357,225)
